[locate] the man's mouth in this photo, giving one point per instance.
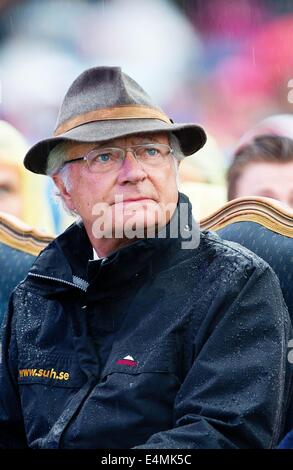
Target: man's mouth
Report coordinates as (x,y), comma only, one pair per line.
(133,200)
(138,199)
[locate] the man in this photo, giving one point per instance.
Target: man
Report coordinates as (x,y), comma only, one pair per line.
(125,333)
(263,166)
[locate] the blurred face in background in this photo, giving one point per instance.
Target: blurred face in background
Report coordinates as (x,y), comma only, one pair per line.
(22,193)
(269,179)
(10,190)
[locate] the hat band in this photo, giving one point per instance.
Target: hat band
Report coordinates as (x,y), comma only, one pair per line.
(105,114)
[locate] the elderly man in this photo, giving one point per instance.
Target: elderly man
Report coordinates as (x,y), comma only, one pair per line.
(126,333)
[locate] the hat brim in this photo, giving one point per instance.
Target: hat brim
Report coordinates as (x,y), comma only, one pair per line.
(191,137)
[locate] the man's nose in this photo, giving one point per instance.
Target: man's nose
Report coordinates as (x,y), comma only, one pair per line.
(131,169)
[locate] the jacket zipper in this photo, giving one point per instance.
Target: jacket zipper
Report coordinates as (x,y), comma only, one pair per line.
(58,280)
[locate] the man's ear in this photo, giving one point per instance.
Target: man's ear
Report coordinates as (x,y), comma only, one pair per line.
(63,191)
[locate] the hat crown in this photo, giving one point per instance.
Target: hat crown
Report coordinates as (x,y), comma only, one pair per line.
(101,88)
(103,104)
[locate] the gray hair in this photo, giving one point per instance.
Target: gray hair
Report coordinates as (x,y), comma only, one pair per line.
(178,155)
(57,158)
(55,162)
(175,145)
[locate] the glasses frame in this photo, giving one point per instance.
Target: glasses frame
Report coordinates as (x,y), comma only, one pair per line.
(132,148)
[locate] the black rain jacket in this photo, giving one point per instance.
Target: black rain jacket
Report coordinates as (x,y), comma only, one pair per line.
(155,346)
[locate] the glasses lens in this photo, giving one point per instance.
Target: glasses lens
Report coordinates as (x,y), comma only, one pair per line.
(153,154)
(103,160)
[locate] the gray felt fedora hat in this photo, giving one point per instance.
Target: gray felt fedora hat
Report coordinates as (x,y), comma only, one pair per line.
(104,103)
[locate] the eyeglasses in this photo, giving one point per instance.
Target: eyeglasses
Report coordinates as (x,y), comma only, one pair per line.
(102,160)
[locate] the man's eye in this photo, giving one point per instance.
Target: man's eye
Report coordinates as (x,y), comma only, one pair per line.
(103,158)
(151,152)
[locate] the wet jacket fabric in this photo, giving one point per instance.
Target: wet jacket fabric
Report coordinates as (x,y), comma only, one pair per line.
(155,346)
(15,265)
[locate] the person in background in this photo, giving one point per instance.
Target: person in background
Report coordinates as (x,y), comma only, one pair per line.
(134,329)
(23,207)
(21,194)
(262,164)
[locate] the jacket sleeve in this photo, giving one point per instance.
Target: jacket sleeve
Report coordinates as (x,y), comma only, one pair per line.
(233,394)
(12,433)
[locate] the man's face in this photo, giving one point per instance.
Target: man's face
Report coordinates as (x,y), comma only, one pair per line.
(273,180)
(134,197)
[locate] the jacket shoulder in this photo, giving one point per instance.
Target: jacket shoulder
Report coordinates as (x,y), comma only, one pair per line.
(229,252)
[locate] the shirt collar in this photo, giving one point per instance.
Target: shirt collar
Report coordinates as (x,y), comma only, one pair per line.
(95,255)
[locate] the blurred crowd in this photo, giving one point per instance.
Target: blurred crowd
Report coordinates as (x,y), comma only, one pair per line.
(224,64)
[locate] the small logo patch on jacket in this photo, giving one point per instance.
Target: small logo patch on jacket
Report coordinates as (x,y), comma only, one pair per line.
(127,361)
(44,373)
